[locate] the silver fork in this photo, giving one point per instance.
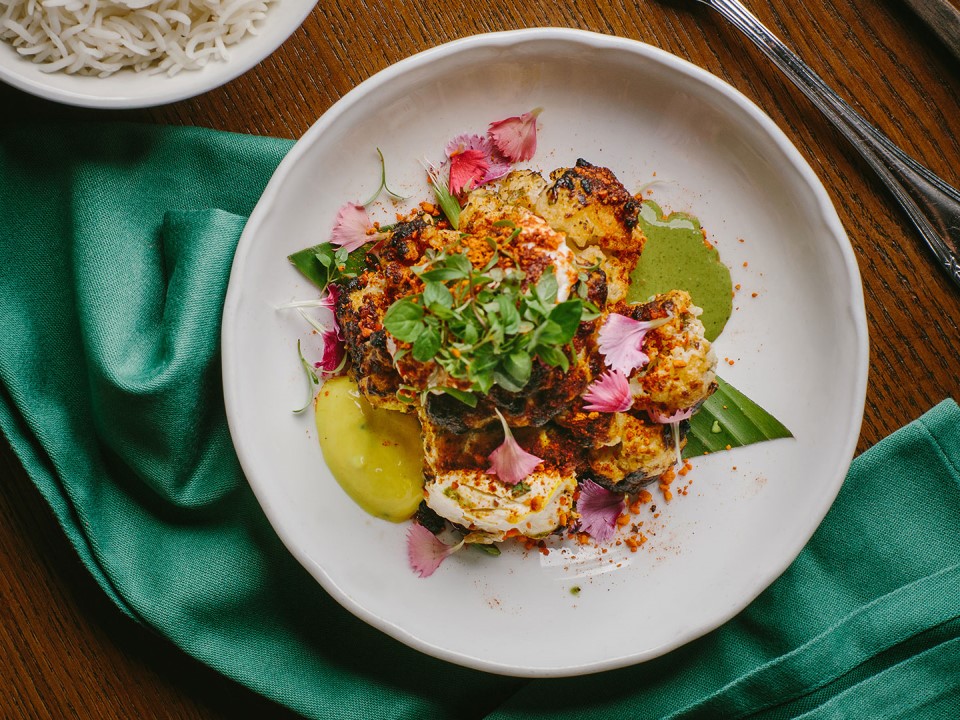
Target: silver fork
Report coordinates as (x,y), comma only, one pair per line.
(932,204)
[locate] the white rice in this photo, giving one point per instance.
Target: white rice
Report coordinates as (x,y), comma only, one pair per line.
(100,37)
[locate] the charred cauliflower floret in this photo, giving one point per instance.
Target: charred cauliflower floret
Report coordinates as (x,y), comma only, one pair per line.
(646,450)
(580,229)
(594,210)
(459,488)
(591,205)
(681,372)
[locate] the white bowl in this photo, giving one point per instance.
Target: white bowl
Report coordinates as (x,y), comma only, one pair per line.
(128,89)
(799,349)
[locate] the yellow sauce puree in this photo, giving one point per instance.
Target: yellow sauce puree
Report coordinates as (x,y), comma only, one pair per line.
(375,455)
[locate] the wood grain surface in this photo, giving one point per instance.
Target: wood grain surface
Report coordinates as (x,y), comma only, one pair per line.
(68,653)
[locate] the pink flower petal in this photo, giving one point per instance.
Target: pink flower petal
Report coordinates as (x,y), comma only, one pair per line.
(329,301)
(621,341)
(497,164)
(599,509)
(426,551)
(350,228)
(510,462)
(516,137)
(659,417)
(609,393)
(467,169)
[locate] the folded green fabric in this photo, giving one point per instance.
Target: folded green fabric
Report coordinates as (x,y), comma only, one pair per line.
(115,249)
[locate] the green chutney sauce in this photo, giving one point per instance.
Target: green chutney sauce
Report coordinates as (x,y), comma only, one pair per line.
(678,257)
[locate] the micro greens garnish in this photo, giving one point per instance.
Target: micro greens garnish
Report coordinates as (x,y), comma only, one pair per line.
(448,203)
(324,264)
(484,326)
(383,183)
(313,381)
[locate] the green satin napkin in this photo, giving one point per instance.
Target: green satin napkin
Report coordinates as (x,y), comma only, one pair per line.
(115,249)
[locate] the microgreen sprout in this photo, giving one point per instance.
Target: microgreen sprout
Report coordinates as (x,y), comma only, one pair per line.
(484,326)
(383,183)
(313,381)
(448,203)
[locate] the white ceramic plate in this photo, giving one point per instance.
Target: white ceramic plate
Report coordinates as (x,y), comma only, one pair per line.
(129,89)
(799,349)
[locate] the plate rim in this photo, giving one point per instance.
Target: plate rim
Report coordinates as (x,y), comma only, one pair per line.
(855,307)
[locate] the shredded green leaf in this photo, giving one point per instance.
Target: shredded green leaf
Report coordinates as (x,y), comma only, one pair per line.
(738,421)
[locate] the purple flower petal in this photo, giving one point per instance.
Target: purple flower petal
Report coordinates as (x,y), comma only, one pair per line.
(609,393)
(599,509)
(334,350)
(350,228)
(510,462)
(426,551)
(329,301)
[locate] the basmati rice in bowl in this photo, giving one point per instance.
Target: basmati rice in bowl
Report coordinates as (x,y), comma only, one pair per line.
(137,53)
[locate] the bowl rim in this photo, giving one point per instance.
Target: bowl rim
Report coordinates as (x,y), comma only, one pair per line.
(27,76)
(596,41)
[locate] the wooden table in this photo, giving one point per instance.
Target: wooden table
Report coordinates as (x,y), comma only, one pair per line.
(67,652)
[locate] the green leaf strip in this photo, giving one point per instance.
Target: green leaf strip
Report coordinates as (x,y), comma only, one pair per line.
(739,419)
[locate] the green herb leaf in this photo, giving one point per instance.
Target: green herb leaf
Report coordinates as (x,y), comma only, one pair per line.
(404,320)
(436,293)
(740,421)
(308,262)
(567,316)
(488,548)
(509,317)
(323,264)
(464,397)
(427,344)
(518,366)
(547,288)
(553,357)
(442,273)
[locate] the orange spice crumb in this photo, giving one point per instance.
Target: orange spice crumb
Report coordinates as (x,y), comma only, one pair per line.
(623,520)
(745,263)
(754,294)
(583,538)
(687,467)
